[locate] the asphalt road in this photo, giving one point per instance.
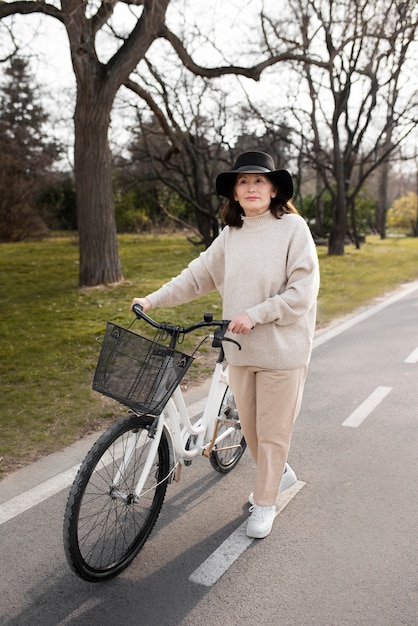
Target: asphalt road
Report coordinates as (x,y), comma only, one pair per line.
(343,550)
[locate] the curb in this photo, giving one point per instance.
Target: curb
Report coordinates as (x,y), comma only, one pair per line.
(63,460)
(42,470)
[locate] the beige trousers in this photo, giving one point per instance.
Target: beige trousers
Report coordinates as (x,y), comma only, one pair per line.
(268,402)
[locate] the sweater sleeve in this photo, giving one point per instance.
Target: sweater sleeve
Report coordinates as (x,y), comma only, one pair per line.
(300,291)
(203,275)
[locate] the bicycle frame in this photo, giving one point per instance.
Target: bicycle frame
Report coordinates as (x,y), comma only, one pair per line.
(186,440)
(180,431)
(203,429)
(120,487)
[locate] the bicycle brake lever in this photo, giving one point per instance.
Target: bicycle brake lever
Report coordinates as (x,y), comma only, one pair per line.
(218,338)
(233,341)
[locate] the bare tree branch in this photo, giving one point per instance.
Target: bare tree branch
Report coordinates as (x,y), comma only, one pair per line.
(159,114)
(103,14)
(253,72)
(22,7)
(181,222)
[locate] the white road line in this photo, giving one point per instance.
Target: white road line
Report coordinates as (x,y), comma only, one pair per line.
(364,410)
(36,495)
(228,552)
(21,503)
(323,337)
(24,501)
(413,357)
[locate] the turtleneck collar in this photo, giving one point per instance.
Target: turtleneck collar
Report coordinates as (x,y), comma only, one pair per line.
(256,222)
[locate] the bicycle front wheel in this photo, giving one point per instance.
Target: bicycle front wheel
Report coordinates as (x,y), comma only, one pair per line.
(106,524)
(229,451)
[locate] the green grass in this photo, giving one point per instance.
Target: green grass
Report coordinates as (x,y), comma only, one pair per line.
(359,276)
(48,325)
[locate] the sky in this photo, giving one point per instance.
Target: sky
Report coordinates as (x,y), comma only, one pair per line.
(230,25)
(43,39)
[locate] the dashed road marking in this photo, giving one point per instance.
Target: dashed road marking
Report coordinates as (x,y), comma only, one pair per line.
(228,552)
(48,488)
(359,415)
(413,357)
(24,501)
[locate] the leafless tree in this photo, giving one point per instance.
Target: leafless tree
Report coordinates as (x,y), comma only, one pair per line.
(98,82)
(195,133)
(358,103)
(181,145)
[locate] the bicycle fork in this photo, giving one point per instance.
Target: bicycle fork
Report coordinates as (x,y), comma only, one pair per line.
(130,449)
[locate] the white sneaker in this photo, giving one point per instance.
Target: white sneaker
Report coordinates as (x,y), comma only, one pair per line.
(288,479)
(261,521)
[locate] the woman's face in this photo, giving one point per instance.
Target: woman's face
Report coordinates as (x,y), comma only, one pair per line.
(254,193)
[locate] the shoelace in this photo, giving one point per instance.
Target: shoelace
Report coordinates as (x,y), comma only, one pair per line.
(260,512)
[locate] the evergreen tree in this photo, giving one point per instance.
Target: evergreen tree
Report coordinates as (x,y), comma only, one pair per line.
(26,154)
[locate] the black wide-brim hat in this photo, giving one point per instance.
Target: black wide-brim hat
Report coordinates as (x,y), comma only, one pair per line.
(254,163)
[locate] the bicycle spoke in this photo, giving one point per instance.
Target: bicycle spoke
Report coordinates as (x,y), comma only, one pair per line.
(106,524)
(229,450)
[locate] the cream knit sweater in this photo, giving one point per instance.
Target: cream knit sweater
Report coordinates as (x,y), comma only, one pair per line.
(268,268)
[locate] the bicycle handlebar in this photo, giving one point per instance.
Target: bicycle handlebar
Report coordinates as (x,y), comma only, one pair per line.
(174,330)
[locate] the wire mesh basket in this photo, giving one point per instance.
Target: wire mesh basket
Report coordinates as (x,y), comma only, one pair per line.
(136,371)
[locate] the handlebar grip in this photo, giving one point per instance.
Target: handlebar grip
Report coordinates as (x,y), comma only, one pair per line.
(137,309)
(174,330)
(218,336)
(139,312)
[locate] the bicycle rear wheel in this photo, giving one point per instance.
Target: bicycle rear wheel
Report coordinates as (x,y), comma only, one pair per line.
(229,451)
(105,524)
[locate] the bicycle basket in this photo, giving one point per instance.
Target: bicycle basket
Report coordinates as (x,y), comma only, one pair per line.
(138,372)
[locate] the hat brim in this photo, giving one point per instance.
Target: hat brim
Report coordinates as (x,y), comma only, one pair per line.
(225,181)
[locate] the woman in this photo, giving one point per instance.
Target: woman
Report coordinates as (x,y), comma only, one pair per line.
(265,267)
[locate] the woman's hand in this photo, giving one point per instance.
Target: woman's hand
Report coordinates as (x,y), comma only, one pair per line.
(144,302)
(241,324)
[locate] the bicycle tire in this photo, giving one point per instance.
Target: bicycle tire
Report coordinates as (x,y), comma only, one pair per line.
(225,457)
(105,526)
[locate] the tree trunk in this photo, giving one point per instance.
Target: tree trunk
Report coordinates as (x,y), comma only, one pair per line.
(337,235)
(383,184)
(97,85)
(99,255)
(339,210)
(354,233)
(319,213)
(382,203)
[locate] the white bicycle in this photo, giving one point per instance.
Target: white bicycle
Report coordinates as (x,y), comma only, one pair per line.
(120,487)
